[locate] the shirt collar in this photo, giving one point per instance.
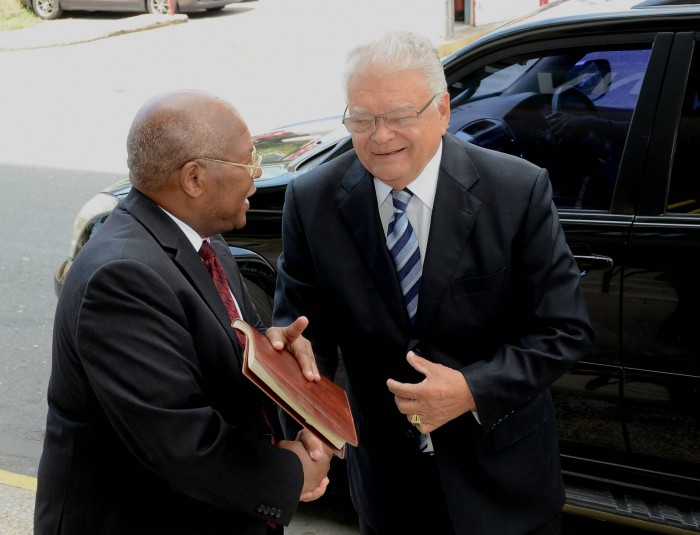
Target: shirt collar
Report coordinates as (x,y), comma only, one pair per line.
(191,234)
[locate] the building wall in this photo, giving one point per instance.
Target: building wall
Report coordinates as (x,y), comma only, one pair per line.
(437,18)
(479,12)
(434,18)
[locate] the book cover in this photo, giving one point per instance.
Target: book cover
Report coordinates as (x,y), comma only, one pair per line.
(321,406)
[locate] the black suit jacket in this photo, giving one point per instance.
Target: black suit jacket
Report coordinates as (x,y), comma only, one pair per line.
(499,301)
(151,426)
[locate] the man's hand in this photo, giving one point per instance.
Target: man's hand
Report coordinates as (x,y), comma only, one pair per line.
(315,447)
(290,337)
(442,396)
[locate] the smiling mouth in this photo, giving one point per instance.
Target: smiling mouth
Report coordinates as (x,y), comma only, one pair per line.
(388,153)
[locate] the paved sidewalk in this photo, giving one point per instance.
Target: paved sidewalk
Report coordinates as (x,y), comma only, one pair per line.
(328,516)
(16,503)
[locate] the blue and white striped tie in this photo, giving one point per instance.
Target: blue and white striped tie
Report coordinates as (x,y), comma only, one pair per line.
(402,242)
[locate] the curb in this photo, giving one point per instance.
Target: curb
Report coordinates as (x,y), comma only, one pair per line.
(69,32)
(17,480)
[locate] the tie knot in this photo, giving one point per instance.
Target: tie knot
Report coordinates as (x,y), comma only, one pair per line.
(401,198)
(206,251)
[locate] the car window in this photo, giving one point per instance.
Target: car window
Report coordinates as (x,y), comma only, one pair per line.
(567,111)
(500,77)
(627,69)
(684,191)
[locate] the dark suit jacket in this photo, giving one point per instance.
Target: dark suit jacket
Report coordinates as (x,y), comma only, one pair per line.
(499,301)
(151,426)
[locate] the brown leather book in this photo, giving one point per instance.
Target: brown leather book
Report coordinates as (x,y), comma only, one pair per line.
(321,406)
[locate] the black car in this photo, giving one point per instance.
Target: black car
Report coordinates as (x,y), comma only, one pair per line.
(53,9)
(609,103)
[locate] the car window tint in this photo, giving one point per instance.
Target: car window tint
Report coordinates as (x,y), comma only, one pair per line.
(627,73)
(684,191)
(501,77)
(568,112)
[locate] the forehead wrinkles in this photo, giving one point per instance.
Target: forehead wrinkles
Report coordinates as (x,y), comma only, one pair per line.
(360,110)
(394,90)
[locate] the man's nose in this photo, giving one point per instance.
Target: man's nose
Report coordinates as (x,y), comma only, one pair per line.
(382,130)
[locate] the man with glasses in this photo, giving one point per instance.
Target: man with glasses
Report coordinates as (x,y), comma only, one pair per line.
(152,428)
(439,272)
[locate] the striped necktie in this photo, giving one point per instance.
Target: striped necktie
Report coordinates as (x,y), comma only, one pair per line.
(403,245)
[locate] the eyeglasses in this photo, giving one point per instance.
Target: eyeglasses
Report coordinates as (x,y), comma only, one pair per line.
(396,120)
(253,168)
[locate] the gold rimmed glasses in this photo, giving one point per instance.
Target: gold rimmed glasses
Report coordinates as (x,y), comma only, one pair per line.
(252,168)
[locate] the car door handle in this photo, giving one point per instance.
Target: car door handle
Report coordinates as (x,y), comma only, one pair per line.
(590,262)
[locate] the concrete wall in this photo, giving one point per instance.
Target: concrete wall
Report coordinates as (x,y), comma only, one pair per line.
(436,18)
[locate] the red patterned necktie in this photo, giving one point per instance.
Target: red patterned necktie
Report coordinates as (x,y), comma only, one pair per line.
(216,270)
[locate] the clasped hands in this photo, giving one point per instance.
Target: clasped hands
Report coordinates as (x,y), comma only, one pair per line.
(442,396)
(315,456)
(315,459)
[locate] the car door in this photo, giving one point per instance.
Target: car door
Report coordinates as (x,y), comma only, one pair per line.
(660,312)
(503,100)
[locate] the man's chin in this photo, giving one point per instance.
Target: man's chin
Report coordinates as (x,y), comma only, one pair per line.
(235,225)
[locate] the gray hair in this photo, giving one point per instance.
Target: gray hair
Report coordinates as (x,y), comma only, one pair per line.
(394,52)
(166,133)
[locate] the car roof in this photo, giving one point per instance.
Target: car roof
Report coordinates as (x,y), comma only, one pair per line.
(651,3)
(580,11)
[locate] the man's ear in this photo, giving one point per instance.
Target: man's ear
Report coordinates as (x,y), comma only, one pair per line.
(444,109)
(191,179)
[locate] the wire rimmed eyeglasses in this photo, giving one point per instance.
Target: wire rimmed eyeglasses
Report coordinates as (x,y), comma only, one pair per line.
(252,168)
(396,119)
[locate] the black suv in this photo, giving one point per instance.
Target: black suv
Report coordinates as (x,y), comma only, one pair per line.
(609,103)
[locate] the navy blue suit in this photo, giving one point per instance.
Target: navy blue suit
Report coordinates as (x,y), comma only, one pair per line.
(499,301)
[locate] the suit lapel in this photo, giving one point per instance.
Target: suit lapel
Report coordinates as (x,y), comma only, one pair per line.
(454,213)
(358,210)
(191,264)
(176,245)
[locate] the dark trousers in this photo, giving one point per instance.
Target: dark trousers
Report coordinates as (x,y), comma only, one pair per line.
(553,527)
(429,514)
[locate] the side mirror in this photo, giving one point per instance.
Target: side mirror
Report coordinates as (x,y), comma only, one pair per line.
(592,78)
